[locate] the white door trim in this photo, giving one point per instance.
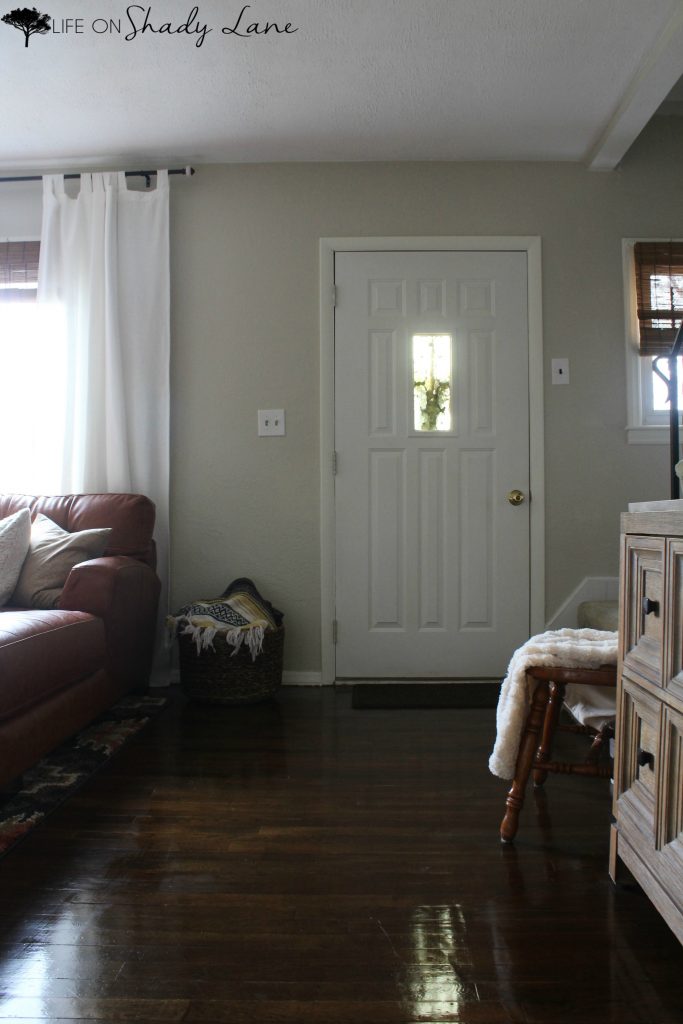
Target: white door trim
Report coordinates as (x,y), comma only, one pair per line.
(328,247)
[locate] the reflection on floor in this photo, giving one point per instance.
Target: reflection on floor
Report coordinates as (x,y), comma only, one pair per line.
(301,861)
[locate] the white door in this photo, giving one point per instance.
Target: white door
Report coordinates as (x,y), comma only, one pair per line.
(432,436)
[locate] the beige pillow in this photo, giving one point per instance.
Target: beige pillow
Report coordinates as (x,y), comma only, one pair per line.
(15,534)
(52,554)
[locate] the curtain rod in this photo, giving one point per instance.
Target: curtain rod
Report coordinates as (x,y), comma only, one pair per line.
(129,174)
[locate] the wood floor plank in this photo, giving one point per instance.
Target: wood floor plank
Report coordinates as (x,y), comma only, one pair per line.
(300,861)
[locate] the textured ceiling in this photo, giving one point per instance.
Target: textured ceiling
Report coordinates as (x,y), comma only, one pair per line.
(358,80)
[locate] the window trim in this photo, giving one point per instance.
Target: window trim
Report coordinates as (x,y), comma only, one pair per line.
(643,424)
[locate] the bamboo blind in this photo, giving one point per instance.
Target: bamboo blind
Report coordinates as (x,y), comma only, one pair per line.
(659,293)
(18,271)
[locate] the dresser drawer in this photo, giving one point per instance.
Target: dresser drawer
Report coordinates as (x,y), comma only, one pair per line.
(670,816)
(638,767)
(642,636)
(673,667)
(648,770)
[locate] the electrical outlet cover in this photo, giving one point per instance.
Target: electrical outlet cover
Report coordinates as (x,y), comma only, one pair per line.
(271,422)
(560,371)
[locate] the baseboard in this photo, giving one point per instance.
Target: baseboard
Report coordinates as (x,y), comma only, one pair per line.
(302,678)
(591,588)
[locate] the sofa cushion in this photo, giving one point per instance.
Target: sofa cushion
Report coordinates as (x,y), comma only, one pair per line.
(42,652)
(52,554)
(15,534)
(131,517)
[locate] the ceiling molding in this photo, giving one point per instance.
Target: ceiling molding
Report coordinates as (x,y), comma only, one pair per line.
(649,87)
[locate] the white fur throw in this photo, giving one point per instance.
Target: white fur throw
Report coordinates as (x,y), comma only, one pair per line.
(565,648)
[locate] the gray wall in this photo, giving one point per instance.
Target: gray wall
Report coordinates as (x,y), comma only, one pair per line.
(245,335)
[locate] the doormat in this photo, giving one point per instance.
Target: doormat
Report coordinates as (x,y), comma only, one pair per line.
(424,695)
(49,783)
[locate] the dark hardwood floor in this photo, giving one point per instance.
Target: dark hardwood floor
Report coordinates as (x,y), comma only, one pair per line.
(303,862)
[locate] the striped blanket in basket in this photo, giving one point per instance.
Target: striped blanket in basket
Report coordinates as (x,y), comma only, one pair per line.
(240,614)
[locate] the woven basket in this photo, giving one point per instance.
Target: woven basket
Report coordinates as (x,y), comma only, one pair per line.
(223,677)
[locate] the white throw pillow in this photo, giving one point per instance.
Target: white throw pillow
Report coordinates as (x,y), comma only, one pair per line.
(15,535)
(52,554)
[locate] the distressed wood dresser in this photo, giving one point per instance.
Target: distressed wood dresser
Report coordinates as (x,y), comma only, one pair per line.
(647,834)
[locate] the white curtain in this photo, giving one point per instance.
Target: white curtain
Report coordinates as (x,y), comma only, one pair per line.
(32,385)
(104,259)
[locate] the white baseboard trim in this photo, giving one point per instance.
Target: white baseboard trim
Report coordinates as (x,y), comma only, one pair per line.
(302,678)
(591,588)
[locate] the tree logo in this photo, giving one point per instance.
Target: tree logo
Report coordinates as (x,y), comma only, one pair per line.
(30,22)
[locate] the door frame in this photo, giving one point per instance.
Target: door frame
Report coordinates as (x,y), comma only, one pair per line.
(531,245)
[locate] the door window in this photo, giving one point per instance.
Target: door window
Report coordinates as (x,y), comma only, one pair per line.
(432,382)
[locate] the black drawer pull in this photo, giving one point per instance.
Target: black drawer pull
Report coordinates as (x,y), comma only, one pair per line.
(645,758)
(650,606)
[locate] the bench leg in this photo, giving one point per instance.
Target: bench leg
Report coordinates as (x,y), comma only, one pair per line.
(545,749)
(525,757)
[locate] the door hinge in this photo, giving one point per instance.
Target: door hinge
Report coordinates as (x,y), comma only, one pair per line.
(334,295)
(334,463)
(335,631)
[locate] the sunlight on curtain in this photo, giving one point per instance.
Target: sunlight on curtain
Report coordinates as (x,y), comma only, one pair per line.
(104,254)
(32,396)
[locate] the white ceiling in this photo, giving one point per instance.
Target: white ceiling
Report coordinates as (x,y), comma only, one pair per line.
(359,80)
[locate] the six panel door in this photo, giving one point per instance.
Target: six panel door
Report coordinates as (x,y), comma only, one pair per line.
(432,438)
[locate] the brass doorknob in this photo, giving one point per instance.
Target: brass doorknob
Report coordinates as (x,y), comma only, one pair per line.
(515,497)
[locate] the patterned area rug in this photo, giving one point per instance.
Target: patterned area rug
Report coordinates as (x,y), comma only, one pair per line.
(63,771)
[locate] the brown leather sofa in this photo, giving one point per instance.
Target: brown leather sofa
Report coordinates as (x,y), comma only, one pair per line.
(62,667)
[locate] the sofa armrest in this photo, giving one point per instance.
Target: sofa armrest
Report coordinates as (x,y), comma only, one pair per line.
(124,593)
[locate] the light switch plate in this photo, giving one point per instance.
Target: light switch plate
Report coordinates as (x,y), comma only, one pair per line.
(271,422)
(560,371)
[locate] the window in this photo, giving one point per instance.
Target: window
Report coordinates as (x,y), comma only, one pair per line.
(653,289)
(33,377)
(19,271)
(432,382)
